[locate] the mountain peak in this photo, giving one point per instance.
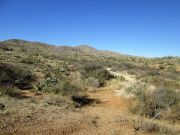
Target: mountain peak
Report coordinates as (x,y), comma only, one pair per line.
(86,48)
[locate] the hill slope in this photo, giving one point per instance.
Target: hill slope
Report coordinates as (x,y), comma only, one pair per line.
(82,90)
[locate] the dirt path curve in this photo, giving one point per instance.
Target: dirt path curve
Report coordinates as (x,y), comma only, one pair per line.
(110,117)
(128,81)
(116,100)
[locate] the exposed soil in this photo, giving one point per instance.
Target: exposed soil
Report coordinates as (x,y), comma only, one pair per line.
(108,117)
(105,118)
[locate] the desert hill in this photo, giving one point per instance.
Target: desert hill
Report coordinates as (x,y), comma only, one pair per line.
(82,90)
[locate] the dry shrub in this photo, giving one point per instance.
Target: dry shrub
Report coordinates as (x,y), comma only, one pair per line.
(92,82)
(57,101)
(153,127)
(152,103)
(11,92)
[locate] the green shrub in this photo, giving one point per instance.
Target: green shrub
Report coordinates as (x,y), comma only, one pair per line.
(48,82)
(53,85)
(97,72)
(64,88)
(15,76)
(30,60)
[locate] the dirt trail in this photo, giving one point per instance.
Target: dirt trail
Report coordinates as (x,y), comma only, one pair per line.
(109,117)
(129,80)
(110,99)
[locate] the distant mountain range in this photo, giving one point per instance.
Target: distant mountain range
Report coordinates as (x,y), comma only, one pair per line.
(59,50)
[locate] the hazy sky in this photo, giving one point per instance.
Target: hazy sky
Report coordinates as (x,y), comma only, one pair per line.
(136,27)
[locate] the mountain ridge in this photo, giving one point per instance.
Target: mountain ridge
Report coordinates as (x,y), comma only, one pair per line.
(82,49)
(79,50)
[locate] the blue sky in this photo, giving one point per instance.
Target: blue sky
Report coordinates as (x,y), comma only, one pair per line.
(137,27)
